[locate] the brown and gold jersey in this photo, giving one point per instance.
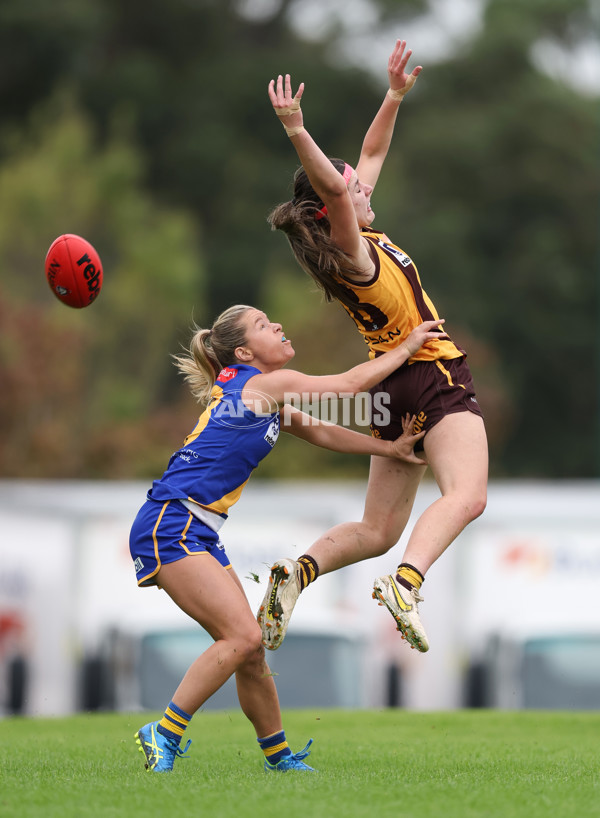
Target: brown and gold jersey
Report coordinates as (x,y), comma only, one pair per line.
(393,303)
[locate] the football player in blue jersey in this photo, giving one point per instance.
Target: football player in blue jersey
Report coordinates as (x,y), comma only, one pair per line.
(236,371)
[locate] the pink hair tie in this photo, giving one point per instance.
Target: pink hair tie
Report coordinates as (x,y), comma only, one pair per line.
(346,175)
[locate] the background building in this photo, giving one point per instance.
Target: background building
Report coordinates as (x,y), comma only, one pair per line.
(511,609)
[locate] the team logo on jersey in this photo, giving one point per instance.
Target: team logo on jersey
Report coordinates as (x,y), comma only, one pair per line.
(273,432)
(254,409)
(401,257)
(227,374)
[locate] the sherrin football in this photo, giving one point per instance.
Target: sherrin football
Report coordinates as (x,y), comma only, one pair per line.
(74,270)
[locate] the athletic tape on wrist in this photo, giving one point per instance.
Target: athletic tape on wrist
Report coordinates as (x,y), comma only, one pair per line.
(396,94)
(290,109)
(293,131)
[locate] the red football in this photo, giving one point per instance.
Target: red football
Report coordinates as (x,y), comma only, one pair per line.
(74,270)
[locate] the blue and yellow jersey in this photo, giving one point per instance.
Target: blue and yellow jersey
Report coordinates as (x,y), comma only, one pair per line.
(218,456)
(393,303)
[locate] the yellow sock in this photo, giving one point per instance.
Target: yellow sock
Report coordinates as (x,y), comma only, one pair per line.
(409,576)
(308,570)
(174,722)
(275,747)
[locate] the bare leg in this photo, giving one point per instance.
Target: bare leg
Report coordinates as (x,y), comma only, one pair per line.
(257,692)
(456,449)
(214,598)
(390,497)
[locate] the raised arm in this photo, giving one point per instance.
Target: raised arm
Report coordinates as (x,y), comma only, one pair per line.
(379,136)
(328,184)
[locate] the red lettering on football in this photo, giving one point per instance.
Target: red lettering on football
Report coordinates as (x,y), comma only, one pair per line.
(74,270)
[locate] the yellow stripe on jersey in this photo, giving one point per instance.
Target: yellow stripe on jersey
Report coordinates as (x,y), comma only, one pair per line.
(217,394)
(223,505)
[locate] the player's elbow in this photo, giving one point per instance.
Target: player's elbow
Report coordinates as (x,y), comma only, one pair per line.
(335,191)
(355,384)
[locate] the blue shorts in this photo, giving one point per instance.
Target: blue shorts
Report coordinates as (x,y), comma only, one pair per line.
(165,532)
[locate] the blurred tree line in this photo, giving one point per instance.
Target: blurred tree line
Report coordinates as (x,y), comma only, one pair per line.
(149,132)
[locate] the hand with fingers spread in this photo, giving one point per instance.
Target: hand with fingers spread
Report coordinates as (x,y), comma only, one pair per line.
(400,81)
(286,105)
(403,447)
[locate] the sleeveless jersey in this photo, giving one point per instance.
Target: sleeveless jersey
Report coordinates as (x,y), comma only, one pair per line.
(390,305)
(219,455)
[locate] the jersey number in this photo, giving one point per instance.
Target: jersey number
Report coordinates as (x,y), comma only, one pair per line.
(369,316)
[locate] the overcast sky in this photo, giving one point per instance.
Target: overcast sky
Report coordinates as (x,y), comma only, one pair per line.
(433,37)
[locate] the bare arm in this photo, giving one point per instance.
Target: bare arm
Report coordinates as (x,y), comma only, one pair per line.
(379,136)
(340,439)
(325,179)
(282,385)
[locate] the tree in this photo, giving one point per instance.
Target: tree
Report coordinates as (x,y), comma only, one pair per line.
(511,194)
(491,186)
(73,382)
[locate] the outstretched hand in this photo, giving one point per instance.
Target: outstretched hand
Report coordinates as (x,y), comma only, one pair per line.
(403,446)
(399,80)
(286,105)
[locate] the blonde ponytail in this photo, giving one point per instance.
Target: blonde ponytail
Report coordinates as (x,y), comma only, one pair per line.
(210,350)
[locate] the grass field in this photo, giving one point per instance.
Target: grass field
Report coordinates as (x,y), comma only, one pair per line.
(385,762)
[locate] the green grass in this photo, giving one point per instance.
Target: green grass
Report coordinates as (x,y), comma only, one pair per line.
(387,762)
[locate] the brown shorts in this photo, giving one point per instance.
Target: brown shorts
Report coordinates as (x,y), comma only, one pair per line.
(427,389)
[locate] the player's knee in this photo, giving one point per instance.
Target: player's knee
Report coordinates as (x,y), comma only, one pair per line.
(381,547)
(252,661)
(481,505)
(255,645)
(249,645)
(378,538)
(475,505)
